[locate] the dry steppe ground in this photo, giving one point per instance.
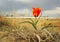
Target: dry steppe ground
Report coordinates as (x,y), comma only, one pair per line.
(12,31)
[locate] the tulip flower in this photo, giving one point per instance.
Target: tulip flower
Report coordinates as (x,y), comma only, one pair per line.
(36,11)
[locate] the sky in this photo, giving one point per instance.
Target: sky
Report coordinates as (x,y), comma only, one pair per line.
(23,8)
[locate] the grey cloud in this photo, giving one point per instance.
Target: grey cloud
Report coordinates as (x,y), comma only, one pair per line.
(45,4)
(7,5)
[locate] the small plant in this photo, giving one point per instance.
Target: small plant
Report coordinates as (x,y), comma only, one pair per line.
(36,13)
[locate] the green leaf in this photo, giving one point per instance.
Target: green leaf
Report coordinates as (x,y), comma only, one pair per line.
(30,23)
(36,22)
(48,26)
(30,19)
(44,27)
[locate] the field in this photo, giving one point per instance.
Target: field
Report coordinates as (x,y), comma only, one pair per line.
(12,31)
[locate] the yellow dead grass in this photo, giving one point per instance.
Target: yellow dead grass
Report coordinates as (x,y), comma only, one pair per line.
(42,21)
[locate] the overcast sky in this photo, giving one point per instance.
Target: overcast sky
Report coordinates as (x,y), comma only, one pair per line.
(20,8)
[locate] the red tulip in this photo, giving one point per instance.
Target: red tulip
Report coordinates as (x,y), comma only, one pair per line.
(36,11)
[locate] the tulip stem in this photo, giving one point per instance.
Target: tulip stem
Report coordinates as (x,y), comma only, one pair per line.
(35,19)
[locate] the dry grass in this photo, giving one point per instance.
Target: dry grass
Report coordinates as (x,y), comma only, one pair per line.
(15,32)
(42,22)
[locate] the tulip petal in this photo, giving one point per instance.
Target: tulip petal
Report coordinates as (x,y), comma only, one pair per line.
(36,11)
